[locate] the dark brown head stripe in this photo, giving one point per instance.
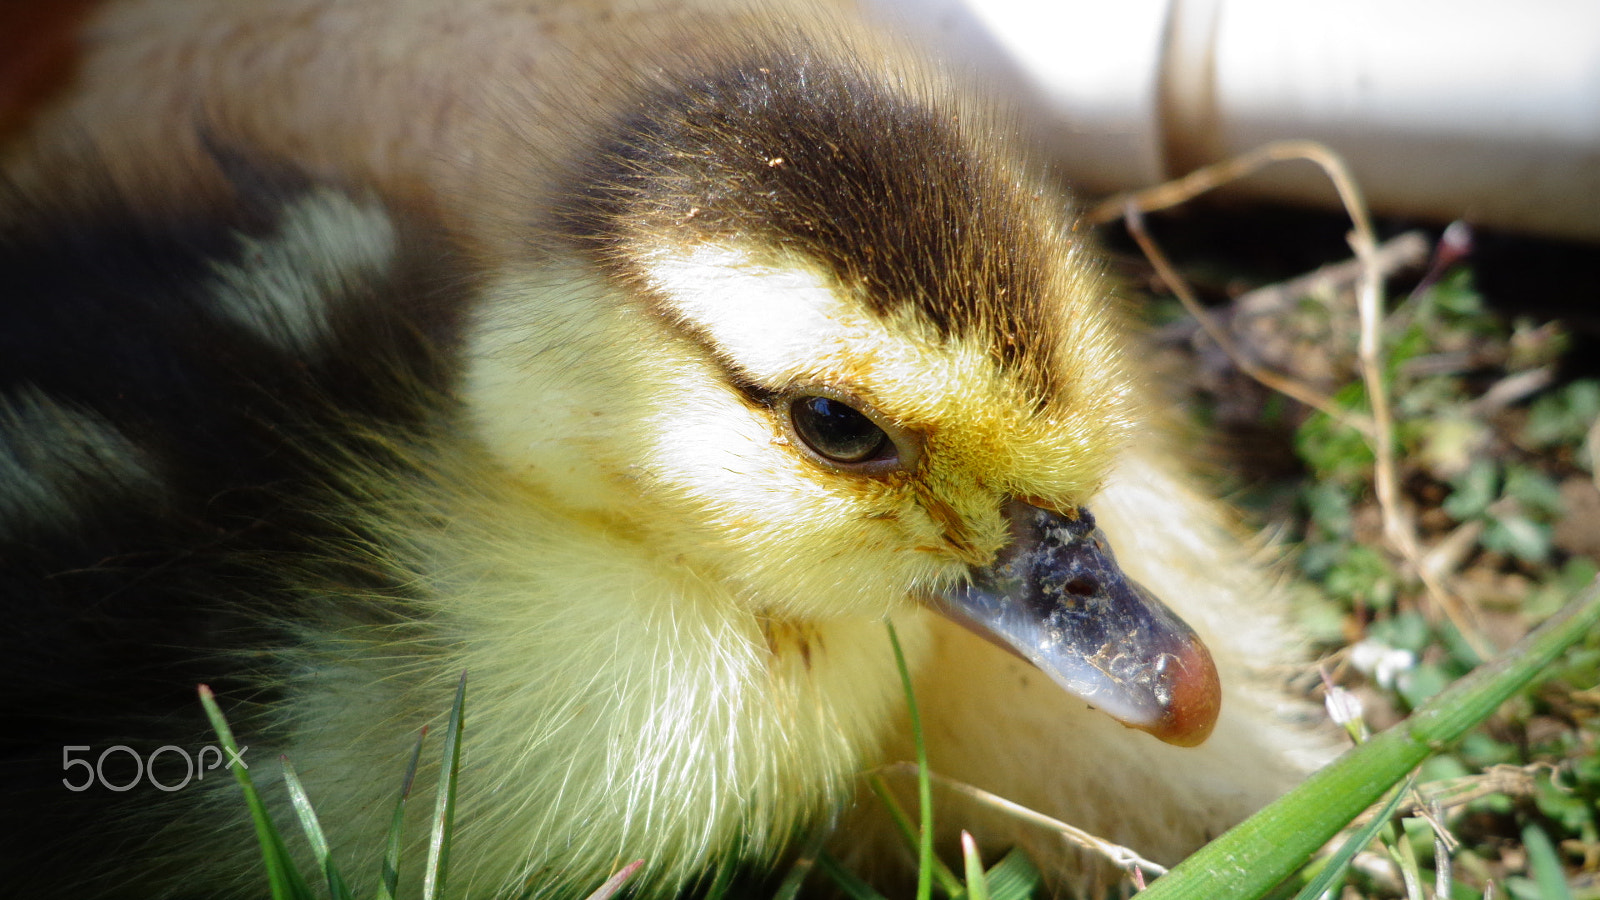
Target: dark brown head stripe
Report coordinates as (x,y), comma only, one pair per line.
(790,150)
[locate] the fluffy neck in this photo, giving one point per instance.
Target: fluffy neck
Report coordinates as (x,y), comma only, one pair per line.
(621,707)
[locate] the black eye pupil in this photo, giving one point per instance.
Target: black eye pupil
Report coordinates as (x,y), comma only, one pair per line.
(836,431)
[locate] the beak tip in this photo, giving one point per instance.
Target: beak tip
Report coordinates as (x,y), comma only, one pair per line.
(1196,700)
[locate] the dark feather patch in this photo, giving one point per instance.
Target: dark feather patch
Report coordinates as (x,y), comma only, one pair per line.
(192,524)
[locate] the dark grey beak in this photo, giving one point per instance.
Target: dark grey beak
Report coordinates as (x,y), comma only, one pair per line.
(1057,598)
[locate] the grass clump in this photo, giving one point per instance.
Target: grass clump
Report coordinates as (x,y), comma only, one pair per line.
(1494,463)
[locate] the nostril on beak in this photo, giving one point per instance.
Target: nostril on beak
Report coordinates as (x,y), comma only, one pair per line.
(1082,587)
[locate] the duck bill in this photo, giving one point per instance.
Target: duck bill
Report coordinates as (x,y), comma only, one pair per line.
(1057,598)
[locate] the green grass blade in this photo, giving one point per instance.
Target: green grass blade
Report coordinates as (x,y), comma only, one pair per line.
(1249,859)
(848,882)
(313,831)
(1014,877)
(924,788)
(1405,856)
(433,879)
(616,881)
(1335,868)
(948,882)
(790,888)
(1545,865)
(283,878)
(389,878)
(977,884)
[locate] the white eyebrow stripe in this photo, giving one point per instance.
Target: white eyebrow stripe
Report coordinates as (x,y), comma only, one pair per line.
(785,325)
(777,322)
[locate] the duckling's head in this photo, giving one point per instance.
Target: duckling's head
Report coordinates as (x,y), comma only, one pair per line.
(833,349)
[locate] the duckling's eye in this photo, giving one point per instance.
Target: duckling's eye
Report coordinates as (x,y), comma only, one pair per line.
(837,431)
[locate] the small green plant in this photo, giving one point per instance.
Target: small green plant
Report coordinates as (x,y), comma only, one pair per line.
(287,882)
(1486,450)
(1252,858)
(1014,877)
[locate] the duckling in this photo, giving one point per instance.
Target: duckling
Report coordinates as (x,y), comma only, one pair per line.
(641,372)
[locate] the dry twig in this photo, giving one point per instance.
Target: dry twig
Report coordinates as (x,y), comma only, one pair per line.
(1179,287)
(1398,528)
(1402,252)
(1120,856)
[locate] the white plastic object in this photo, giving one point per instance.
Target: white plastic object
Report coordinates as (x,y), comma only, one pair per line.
(1487,110)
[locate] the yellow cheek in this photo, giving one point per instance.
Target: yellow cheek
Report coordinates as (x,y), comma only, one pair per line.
(799,538)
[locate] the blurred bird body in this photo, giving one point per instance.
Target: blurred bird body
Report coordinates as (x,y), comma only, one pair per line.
(517,344)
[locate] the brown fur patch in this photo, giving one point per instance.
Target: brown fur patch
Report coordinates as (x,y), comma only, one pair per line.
(788,638)
(955,529)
